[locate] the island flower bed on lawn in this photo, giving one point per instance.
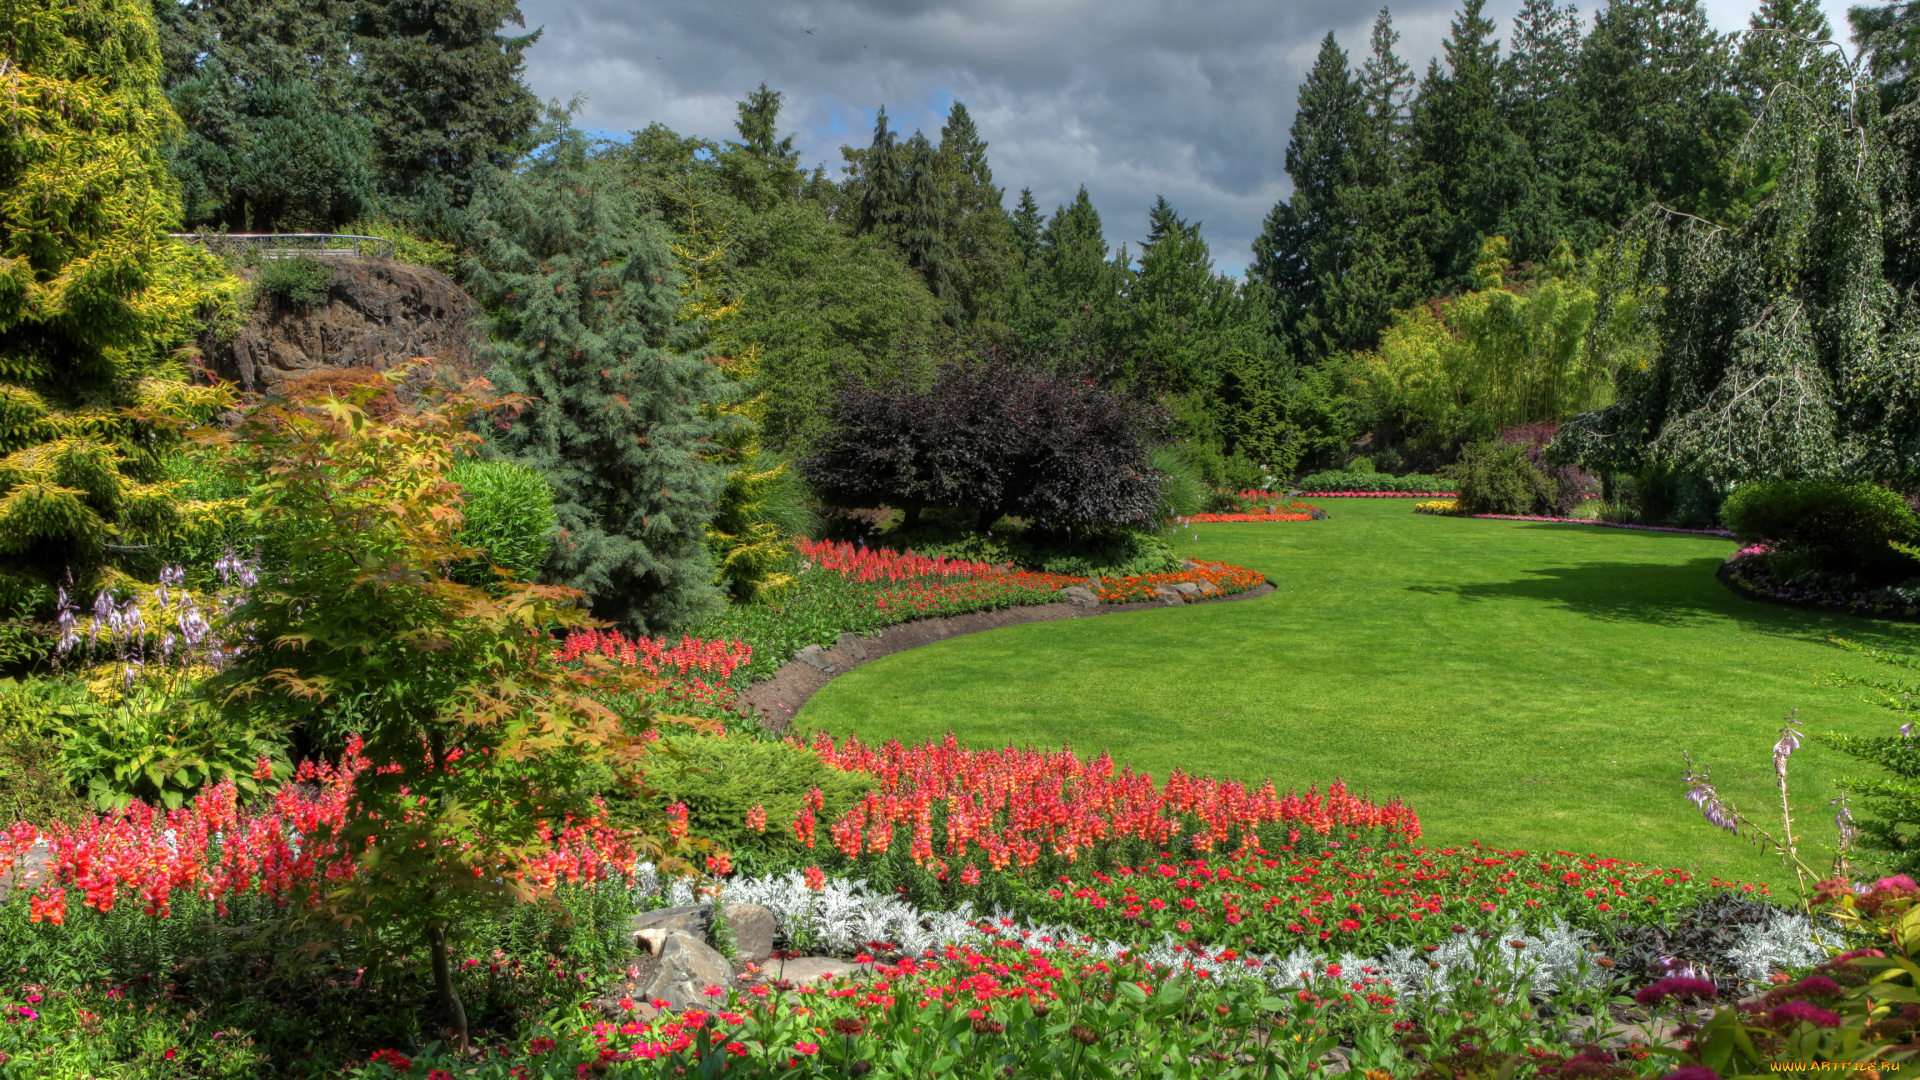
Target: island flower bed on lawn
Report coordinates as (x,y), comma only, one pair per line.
(1603,524)
(1256,505)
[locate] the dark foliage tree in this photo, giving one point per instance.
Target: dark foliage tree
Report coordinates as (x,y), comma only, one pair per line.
(1543,111)
(269,157)
(1889,42)
(993,438)
(582,283)
(444,92)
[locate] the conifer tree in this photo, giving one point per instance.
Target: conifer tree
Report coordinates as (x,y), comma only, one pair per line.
(1073,288)
(94,296)
(979,233)
(582,281)
(1469,175)
(1889,40)
(922,234)
(1779,49)
(1537,95)
(444,92)
(1301,248)
(1656,82)
(883,182)
(1028,223)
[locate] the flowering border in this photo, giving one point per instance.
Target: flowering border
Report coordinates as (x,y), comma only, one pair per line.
(1722,533)
(1729,575)
(1379,494)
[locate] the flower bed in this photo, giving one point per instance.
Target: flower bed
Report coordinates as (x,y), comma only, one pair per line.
(693,674)
(1263,506)
(1437,506)
(1749,573)
(1364,902)
(1378,494)
(1604,524)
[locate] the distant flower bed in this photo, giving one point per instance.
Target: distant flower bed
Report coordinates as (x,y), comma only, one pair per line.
(1437,506)
(1749,572)
(1605,524)
(1257,505)
(1378,494)
(1353,483)
(1226,577)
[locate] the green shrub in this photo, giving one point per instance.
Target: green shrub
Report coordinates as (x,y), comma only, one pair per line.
(160,748)
(408,246)
(1183,491)
(1841,525)
(721,779)
(509,512)
(1493,477)
(299,279)
(33,786)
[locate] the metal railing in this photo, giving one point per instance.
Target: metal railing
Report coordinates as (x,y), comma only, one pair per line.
(286,245)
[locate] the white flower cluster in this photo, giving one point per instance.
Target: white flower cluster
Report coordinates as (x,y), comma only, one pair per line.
(846,914)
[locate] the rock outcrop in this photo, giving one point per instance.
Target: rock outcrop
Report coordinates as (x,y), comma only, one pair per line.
(378,313)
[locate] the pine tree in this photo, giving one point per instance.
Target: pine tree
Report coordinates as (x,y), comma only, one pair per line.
(1469,174)
(1537,95)
(1028,224)
(763,168)
(1655,81)
(882,179)
(1780,49)
(922,232)
(582,282)
(1301,248)
(1073,287)
(94,297)
(444,93)
(979,233)
(1889,39)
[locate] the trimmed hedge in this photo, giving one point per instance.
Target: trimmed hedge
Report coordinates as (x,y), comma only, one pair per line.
(1352,481)
(1842,525)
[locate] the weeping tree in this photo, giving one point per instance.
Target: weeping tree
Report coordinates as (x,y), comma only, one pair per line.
(1790,339)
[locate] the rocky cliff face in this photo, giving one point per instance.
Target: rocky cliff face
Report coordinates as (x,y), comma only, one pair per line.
(379,313)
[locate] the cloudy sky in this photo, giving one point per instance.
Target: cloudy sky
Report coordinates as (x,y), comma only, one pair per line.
(1190,99)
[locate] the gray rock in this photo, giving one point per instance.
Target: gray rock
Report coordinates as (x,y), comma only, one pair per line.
(1207,588)
(1169,595)
(851,643)
(753,929)
(812,656)
(810,969)
(1187,588)
(687,966)
(1189,564)
(1080,594)
(688,919)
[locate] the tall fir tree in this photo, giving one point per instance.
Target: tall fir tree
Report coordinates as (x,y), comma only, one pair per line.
(882,179)
(1028,223)
(1537,95)
(1469,176)
(1781,48)
(763,168)
(925,214)
(1073,286)
(1302,246)
(1888,39)
(445,95)
(582,283)
(979,233)
(1657,85)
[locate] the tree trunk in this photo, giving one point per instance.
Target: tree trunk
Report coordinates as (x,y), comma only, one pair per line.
(443,982)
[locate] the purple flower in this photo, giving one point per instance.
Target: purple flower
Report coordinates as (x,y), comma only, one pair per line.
(1801,1012)
(1692,1072)
(1675,986)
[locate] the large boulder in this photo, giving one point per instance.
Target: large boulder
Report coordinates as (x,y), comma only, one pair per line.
(753,927)
(685,969)
(379,313)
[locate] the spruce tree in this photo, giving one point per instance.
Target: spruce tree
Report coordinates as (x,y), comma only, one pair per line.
(583,285)
(1073,287)
(883,182)
(444,93)
(979,233)
(924,216)
(1889,41)
(1469,175)
(1780,49)
(1028,223)
(1301,248)
(1656,83)
(94,296)
(1537,95)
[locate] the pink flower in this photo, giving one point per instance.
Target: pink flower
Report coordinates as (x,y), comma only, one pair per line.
(1798,1012)
(1897,881)
(1678,986)
(1692,1072)
(806,1048)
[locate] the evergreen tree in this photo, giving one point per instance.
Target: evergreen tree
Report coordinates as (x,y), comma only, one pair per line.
(1656,83)
(922,233)
(94,297)
(1303,245)
(882,181)
(980,236)
(1028,224)
(763,167)
(444,93)
(1889,40)
(582,281)
(1073,288)
(1538,97)
(1470,173)
(1780,45)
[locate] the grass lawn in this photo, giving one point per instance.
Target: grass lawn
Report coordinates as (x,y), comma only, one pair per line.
(1522,684)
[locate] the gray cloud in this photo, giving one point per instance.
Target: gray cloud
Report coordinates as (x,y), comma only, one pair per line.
(1190,99)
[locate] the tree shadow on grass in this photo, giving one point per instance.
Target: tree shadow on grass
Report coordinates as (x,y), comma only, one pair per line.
(1668,594)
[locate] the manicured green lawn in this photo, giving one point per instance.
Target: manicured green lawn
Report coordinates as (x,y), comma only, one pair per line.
(1521,684)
